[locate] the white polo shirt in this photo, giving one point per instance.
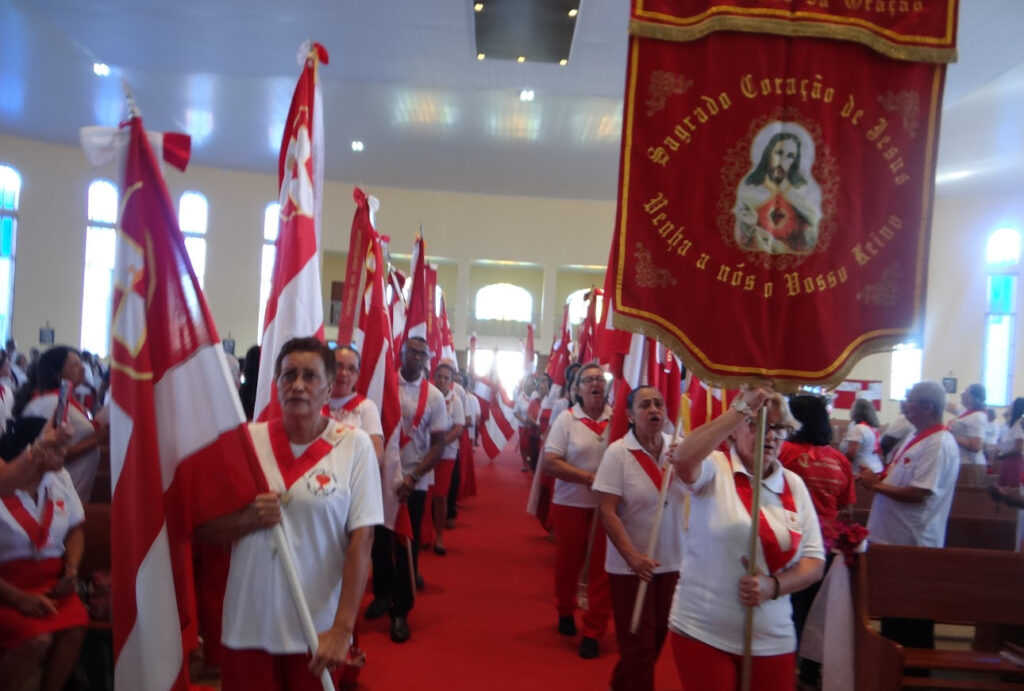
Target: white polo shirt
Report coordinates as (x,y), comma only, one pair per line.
(706,604)
(866,457)
(621,474)
(970,425)
(83,468)
(932,464)
(472,411)
(364,415)
(576,444)
(15,542)
(336,495)
(1010,436)
(455,414)
(434,420)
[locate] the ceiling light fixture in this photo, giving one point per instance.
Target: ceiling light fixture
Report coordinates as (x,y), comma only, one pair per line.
(357,145)
(563,62)
(521,58)
(480,56)
(526,95)
(573,12)
(479,7)
(100,69)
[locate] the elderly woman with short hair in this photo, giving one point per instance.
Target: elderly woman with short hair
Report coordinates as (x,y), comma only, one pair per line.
(708,612)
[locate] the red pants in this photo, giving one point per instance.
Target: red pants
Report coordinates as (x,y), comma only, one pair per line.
(703,668)
(638,653)
(572,528)
(258,670)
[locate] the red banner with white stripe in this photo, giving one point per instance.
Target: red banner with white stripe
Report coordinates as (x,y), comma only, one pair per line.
(179,450)
(295,306)
(496,428)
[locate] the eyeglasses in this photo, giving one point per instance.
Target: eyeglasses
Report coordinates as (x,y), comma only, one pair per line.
(592,380)
(780,430)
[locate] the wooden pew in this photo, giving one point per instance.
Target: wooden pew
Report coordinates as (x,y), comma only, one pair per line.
(954,586)
(96,556)
(975,521)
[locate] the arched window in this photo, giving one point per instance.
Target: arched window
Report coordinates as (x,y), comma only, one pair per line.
(100,250)
(193,211)
(505,302)
(270,223)
(10,193)
(1002,255)
(905,370)
(577,306)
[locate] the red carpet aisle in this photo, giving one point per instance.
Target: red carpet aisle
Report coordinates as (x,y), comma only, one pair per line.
(486,620)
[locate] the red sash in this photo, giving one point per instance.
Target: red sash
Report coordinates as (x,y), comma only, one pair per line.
(595,426)
(878,441)
(293,468)
(38,533)
(649,466)
(961,416)
(353,402)
(421,407)
(774,555)
(73,402)
(919,437)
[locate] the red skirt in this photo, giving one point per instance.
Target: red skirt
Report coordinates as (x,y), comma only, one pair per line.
(35,576)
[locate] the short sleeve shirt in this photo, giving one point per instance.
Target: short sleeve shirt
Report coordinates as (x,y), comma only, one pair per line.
(1011,435)
(579,445)
(827,474)
(622,475)
(972,425)
(706,605)
(456,416)
(434,420)
(867,456)
(364,415)
(339,493)
(15,542)
(931,464)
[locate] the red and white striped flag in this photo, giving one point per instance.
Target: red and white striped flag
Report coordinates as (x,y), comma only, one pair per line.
(179,450)
(378,375)
(496,430)
(528,355)
(417,308)
(295,306)
(447,340)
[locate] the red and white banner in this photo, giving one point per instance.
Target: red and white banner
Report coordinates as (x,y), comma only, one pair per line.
(378,371)
(754,134)
(558,360)
(179,450)
(497,427)
(705,403)
(447,340)
(295,306)
(529,366)
(417,307)
(852,389)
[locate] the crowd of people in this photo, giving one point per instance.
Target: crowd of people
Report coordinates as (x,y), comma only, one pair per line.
(650,530)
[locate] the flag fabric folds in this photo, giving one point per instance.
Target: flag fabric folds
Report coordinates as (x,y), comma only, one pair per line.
(179,450)
(528,355)
(496,428)
(417,306)
(295,305)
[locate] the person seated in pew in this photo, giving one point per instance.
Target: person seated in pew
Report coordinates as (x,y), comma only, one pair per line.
(42,619)
(915,493)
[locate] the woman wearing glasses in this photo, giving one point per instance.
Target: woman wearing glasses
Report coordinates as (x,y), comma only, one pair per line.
(707,616)
(572,454)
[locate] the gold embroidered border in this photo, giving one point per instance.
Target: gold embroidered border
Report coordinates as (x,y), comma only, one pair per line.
(785,381)
(780,27)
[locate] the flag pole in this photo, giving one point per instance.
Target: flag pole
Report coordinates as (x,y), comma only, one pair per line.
(652,541)
(284,553)
(755,513)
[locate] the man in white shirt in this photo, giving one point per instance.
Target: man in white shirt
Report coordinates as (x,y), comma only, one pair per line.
(913,499)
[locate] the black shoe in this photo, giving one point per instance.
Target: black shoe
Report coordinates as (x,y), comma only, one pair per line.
(377,608)
(420,583)
(589,648)
(400,629)
(440,551)
(567,625)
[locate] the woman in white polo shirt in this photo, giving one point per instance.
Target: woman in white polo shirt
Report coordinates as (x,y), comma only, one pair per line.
(573,451)
(628,486)
(968,430)
(707,618)
(325,490)
(860,445)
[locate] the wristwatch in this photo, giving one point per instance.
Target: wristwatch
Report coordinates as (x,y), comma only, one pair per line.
(742,407)
(415,477)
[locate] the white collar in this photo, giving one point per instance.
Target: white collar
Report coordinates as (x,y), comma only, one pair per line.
(775,481)
(336,403)
(577,412)
(633,444)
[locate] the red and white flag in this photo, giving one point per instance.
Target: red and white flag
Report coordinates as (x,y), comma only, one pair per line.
(295,306)
(447,340)
(471,358)
(558,360)
(417,307)
(589,328)
(496,430)
(705,402)
(179,450)
(849,390)
(528,355)
(378,373)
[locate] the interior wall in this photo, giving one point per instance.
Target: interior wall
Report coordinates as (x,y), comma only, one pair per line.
(461,229)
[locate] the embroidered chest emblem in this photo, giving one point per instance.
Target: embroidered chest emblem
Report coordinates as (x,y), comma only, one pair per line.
(321,482)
